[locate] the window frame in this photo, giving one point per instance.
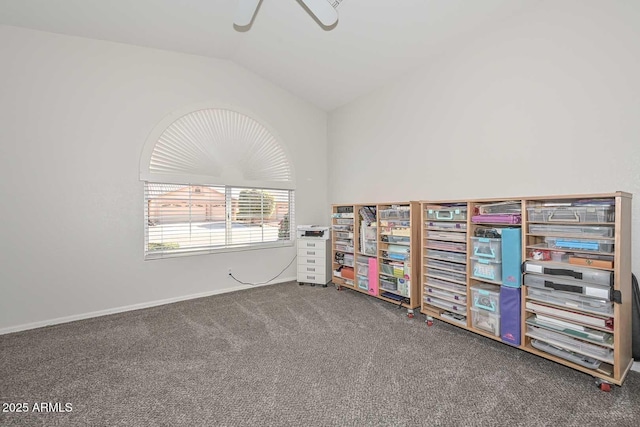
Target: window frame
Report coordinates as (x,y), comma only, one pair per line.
(228,192)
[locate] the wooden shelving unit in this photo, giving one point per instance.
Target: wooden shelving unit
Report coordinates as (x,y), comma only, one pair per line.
(579,246)
(386,233)
(577,249)
(574,298)
(444,261)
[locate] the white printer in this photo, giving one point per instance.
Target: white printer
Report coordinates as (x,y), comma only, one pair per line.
(314,232)
(314,254)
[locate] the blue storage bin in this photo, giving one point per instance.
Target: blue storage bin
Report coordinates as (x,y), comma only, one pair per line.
(512,257)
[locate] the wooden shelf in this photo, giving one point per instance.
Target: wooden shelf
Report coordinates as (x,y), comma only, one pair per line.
(613,372)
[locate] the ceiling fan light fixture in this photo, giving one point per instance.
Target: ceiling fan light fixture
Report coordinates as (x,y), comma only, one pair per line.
(322,10)
(245,11)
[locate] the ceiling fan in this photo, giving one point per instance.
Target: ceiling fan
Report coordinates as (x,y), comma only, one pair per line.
(321,9)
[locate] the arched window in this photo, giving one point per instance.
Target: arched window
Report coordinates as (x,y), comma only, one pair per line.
(215,180)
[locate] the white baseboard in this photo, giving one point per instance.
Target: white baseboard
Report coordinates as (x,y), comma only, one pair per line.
(115,310)
(635,366)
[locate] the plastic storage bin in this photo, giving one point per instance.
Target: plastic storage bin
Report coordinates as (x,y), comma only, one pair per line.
(486,297)
(579,245)
(567,285)
(591,275)
(362,269)
(447,246)
(343,235)
(344,248)
(434,263)
(449,236)
(443,284)
(447,275)
(395,256)
(447,256)
(486,269)
(572,301)
(447,213)
(446,226)
(388,284)
(386,268)
(343,215)
(395,239)
(486,321)
(447,305)
(484,247)
(363,282)
(571,214)
(582,360)
(571,344)
(576,230)
(344,221)
(446,295)
(500,208)
(395,213)
(348,260)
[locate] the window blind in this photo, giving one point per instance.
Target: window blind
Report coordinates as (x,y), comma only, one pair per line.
(188,219)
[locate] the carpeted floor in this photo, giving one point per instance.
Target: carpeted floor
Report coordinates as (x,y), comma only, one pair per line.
(292,355)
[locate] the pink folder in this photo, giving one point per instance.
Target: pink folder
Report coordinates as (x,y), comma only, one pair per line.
(373,276)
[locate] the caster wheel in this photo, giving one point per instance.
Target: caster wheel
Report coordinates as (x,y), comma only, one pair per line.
(324,286)
(429,322)
(410,315)
(313,284)
(603,385)
(300,283)
(338,288)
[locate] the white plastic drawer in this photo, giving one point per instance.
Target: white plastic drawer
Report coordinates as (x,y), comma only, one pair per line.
(319,244)
(310,269)
(312,252)
(319,261)
(309,277)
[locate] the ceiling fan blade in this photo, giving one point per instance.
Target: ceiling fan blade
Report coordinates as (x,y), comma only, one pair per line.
(323,10)
(245,12)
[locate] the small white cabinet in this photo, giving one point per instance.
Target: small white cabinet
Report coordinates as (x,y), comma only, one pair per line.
(314,263)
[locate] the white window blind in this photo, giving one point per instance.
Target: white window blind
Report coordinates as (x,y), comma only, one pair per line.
(190,219)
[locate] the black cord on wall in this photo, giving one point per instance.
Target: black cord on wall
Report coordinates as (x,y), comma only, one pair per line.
(263,283)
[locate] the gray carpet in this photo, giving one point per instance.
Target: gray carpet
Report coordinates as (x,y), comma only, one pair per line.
(292,355)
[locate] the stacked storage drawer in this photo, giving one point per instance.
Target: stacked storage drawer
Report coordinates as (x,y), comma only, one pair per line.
(445,261)
(570,308)
(367,249)
(395,243)
(343,262)
(486,259)
(485,308)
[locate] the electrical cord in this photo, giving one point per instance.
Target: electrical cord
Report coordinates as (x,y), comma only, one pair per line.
(264,283)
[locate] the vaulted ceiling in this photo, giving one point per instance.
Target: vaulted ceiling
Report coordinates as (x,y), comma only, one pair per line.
(374,41)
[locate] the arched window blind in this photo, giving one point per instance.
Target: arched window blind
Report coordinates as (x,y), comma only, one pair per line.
(215,180)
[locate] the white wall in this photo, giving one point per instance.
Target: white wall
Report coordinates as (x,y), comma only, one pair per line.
(545,103)
(74,116)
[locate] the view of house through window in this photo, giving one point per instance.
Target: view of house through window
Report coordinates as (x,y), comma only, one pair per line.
(186,219)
